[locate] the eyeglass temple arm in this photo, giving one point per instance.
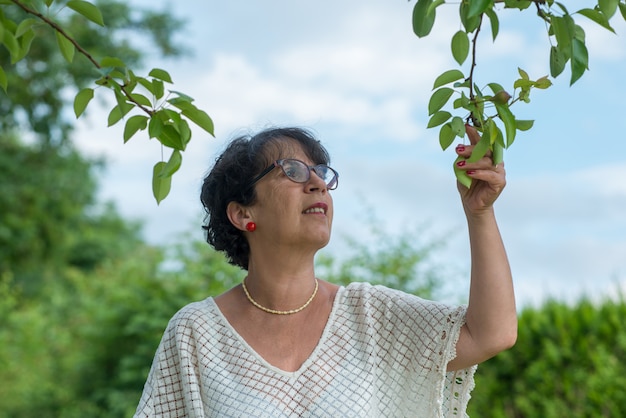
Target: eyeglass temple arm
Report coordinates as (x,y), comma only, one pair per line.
(264,172)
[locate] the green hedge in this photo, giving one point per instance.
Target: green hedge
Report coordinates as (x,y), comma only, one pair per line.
(569,361)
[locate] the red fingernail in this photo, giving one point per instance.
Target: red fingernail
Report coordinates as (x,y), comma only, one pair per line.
(461,163)
(460,148)
(470,172)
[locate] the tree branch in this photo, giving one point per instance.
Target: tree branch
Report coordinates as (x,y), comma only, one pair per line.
(473,66)
(81,50)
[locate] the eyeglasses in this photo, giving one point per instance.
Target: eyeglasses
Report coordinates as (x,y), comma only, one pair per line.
(299,172)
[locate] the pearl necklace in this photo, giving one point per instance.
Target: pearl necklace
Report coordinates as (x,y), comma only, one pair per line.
(273,311)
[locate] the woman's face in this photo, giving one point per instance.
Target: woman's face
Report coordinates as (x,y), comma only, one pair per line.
(290,213)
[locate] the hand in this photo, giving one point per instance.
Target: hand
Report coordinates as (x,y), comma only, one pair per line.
(488,180)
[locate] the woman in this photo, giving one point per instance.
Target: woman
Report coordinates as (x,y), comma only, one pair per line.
(284,343)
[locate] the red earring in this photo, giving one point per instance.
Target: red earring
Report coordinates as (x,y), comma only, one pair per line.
(251,227)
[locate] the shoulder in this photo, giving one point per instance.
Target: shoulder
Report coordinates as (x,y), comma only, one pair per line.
(196,316)
(361,292)
(393,302)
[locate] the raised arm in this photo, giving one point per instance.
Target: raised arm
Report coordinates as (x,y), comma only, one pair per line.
(491,323)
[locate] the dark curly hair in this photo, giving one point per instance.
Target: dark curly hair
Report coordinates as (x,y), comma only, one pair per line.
(229,181)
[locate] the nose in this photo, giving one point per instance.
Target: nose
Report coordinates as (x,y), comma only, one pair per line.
(316,182)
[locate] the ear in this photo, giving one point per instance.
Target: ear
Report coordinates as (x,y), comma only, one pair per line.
(239,215)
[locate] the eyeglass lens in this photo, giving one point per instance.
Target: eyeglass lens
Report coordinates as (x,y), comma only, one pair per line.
(299,172)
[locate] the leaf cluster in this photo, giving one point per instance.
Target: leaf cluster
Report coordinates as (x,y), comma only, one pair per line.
(143,101)
(490,111)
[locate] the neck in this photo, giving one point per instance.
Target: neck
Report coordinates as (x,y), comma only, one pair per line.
(280,286)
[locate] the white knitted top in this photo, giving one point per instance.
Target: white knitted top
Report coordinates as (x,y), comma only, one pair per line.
(383,353)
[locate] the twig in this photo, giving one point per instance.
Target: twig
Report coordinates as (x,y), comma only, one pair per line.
(81,50)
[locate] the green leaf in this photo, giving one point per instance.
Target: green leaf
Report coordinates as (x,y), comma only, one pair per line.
(11,44)
(497,153)
(191,112)
(81,101)
(523,74)
(159,88)
(509,122)
(161,185)
(494,22)
(481,148)
(597,17)
(608,7)
(460,46)
(458,126)
(66,47)
(462,85)
(118,112)
(25,42)
(155,126)
(448,77)
(579,33)
(523,84)
(160,75)
(463,102)
(439,99)
(524,125)
(171,138)
(438,118)
(181,96)
(563,31)
(86,9)
(557,61)
(422,20)
(562,7)
(112,62)
(4,82)
(461,176)
(495,87)
(25,26)
(622,9)
(434,5)
(134,124)
(173,164)
(543,83)
(579,61)
(446,136)
(141,99)
(477,7)
(185,133)
(517,4)
(470,23)
(146,84)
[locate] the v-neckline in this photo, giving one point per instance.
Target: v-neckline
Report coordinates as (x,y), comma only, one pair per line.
(310,359)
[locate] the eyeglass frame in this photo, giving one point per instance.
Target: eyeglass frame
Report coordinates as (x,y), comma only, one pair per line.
(278,163)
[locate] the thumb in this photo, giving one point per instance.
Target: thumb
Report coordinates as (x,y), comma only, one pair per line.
(472,134)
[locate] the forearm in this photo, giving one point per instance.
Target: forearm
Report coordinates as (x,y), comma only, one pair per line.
(491,315)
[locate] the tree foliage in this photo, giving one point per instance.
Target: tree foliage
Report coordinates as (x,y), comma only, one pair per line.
(70,36)
(487,105)
(49,216)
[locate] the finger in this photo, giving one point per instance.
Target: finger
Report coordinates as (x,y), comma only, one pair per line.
(472,134)
(492,174)
(485,163)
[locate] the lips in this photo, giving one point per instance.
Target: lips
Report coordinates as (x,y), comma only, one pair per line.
(320,208)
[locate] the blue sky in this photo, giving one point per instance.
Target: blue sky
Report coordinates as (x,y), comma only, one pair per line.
(354,72)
